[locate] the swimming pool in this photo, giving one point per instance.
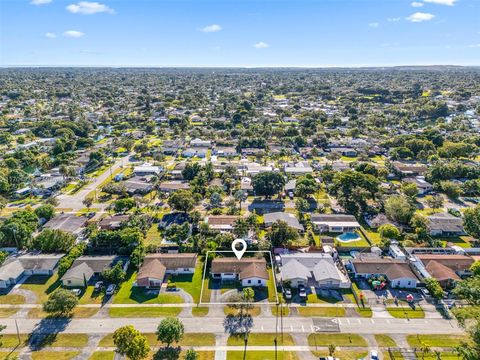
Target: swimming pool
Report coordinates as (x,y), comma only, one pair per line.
(348,237)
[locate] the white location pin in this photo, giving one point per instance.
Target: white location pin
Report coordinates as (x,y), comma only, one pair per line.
(239,253)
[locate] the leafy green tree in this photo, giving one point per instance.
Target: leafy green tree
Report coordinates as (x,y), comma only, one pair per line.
(3,257)
(181,200)
(53,241)
(114,275)
(281,234)
(191,354)
(268,183)
(123,205)
(475,268)
(389,231)
(60,302)
(45,211)
(434,288)
(131,343)
(399,209)
(240,227)
(240,196)
(471,221)
(435,201)
(170,330)
(410,189)
(302,206)
(2,327)
(451,189)
(469,289)
(88,201)
(306,186)
(137,256)
(191,170)
(215,200)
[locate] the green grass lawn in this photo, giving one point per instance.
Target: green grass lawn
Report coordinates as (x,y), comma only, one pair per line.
(78,312)
(12,299)
(11,340)
(344,355)
(461,241)
(128,294)
(7,312)
(261,339)
(192,284)
(255,311)
(54,355)
(89,297)
(442,341)
(65,340)
(322,311)
(364,312)
(385,341)
(285,311)
(262,355)
(102,355)
(373,236)
(189,339)
(317,298)
(406,312)
(346,340)
(200,311)
(42,286)
(144,311)
(206,291)
(272,290)
(153,236)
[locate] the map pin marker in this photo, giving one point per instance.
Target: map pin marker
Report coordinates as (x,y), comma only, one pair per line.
(239,253)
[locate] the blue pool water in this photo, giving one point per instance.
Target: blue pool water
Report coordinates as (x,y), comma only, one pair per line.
(348,237)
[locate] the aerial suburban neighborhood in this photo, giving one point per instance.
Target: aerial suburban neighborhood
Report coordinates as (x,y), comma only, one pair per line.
(233,213)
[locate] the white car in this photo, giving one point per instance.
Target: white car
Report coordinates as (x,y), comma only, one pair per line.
(110,289)
(373,355)
(76,292)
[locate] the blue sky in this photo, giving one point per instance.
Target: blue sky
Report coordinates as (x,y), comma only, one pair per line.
(239,32)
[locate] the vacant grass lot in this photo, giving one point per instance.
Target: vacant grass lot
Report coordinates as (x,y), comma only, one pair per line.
(144,311)
(442,341)
(346,340)
(42,286)
(322,311)
(261,339)
(261,355)
(79,312)
(128,294)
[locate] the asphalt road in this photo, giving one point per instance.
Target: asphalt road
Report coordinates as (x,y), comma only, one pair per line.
(74,201)
(260,324)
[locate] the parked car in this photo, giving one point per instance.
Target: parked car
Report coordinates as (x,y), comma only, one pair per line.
(373,355)
(287,294)
(76,292)
(91,214)
(110,289)
(302,292)
(98,286)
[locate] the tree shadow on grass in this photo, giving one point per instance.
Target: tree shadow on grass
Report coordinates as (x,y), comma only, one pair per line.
(237,324)
(46,331)
(170,353)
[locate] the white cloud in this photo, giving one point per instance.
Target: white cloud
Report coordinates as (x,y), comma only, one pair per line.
(417,4)
(442,2)
(211,28)
(420,17)
(261,45)
(73,34)
(396,19)
(89,8)
(50,35)
(40,2)
(374,25)
(474,46)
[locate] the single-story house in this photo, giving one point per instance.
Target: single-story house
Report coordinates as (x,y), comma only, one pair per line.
(147,169)
(445,224)
(85,268)
(250,271)
(335,223)
(174,185)
(290,219)
(409,169)
(155,266)
(138,185)
(317,269)
(225,151)
(67,222)
(446,268)
(201,143)
(221,222)
(398,272)
(15,267)
(266,206)
(345,151)
(423,186)
(301,168)
(112,222)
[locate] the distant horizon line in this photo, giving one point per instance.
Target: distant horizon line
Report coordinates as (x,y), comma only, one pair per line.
(239,66)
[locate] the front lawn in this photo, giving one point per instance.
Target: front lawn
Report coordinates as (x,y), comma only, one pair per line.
(12,299)
(364,312)
(42,286)
(129,294)
(102,355)
(322,311)
(78,312)
(132,312)
(385,341)
(189,339)
(344,355)
(345,340)
(192,284)
(200,311)
(54,355)
(442,341)
(261,339)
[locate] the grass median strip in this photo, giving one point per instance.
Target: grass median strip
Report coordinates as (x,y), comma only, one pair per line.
(54,355)
(12,299)
(102,355)
(189,339)
(404,313)
(385,340)
(346,340)
(262,355)
(200,311)
(322,311)
(261,339)
(7,312)
(143,311)
(344,355)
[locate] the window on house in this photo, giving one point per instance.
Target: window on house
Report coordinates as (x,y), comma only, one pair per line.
(259,281)
(249,281)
